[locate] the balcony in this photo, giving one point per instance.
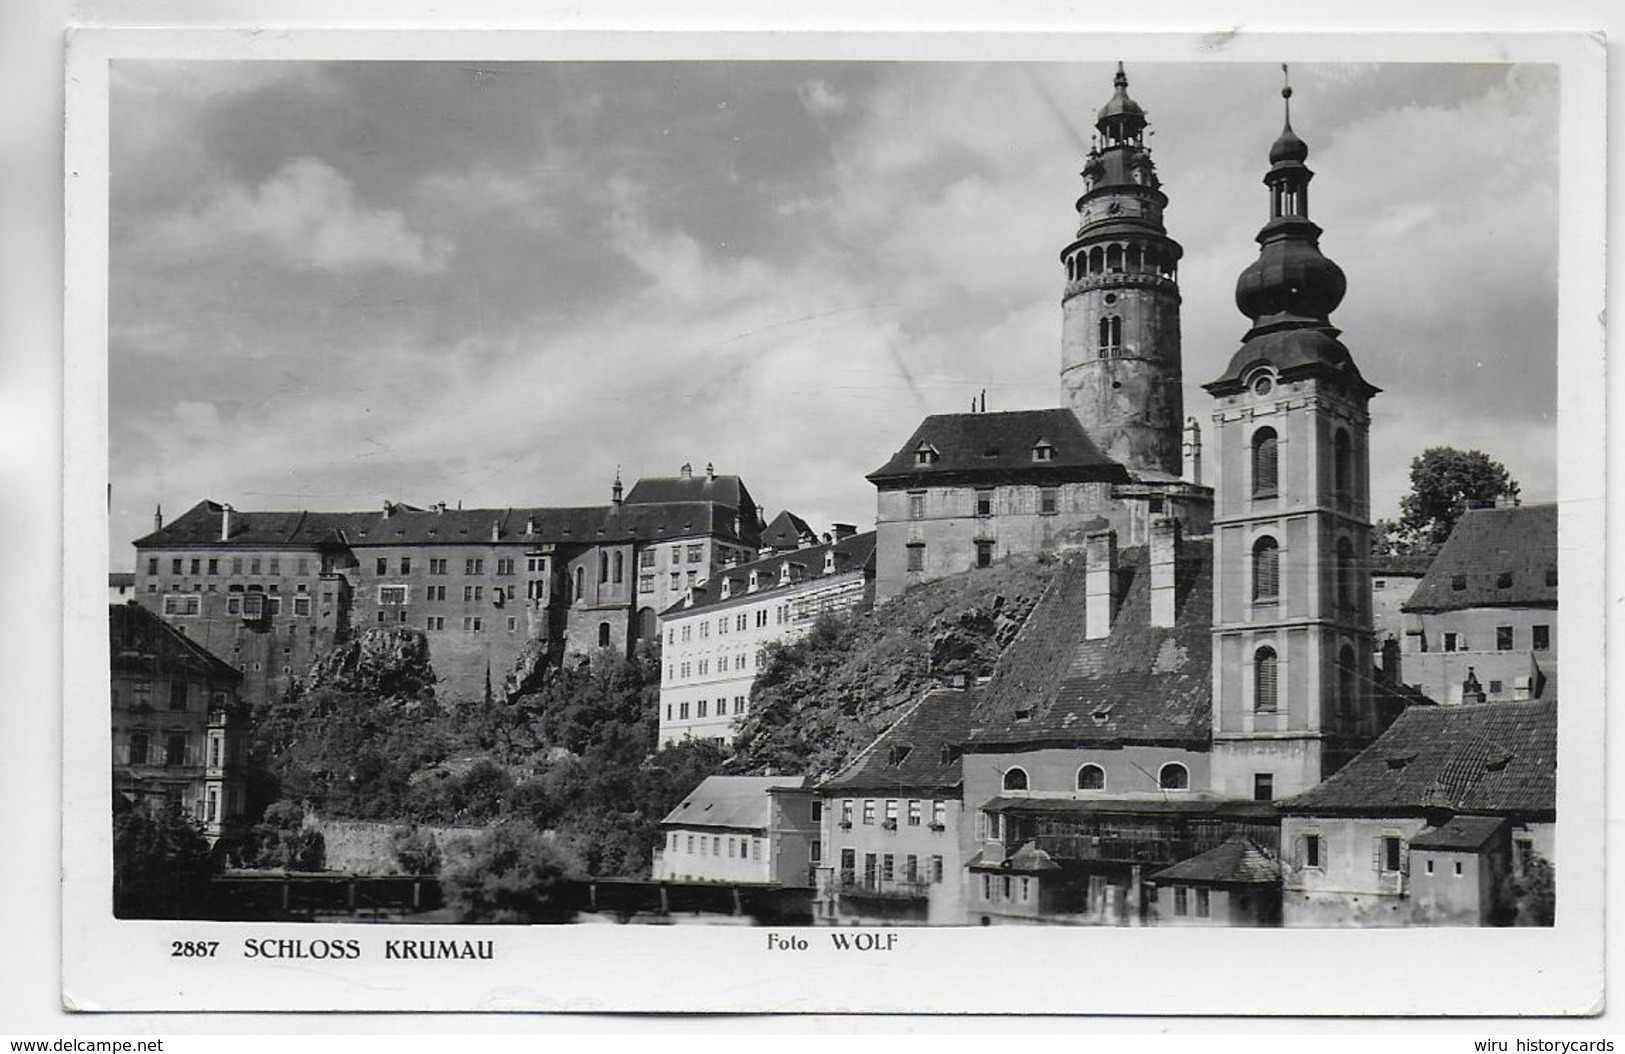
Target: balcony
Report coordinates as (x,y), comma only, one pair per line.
(850,884)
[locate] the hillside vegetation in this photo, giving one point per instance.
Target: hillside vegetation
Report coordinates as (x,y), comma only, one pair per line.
(818,701)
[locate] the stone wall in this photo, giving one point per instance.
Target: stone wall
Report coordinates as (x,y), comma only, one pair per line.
(366,848)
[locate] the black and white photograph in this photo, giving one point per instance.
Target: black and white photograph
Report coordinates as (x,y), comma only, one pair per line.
(795,498)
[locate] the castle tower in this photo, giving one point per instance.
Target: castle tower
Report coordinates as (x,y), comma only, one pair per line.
(1292,605)
(1120,360)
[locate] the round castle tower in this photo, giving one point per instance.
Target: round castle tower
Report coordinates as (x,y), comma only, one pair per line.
(1120,348)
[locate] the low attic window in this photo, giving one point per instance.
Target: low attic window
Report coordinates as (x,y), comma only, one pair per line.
(1399,759)
(950,753)
(925,454)
(1043,451)
(899,754)
(1503,580)
(1497,761)
(1551,576)
(1102,715)
(1025,714)
(1458,582)
(991,451)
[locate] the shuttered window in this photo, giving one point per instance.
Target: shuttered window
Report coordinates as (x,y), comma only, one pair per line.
(1264,681)
(1266,569)
(1265,458)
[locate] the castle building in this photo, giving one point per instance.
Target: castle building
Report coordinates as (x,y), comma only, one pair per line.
(1486,612)
(712,639)
(970,488)
(1292,619)
(180,735)
(492,588)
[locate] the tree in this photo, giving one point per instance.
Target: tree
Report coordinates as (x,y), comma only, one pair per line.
(511,874)
(1530,898)
(161,865)
(1445,482)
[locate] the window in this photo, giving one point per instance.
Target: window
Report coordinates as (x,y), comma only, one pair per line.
(1430,867)
(1551,576)
(869,811)
(1048,500)
(138,748)
(696,553)
(984,502)
(1201,903)
(1458,582)
(1015,779)
(925,454)
(177,695)
(1266,570)
(175,750)
(1264,681)
(916,556)
(504,566)
(936,869)
(916,505)
(886,868)
(304,565)
(1542,637)
(1043,451)
(1392,852)
(1174,777)
(911,868)
(646,558)
(234,605)
(474,565)
(152,565)
(914,812)
(1503,638)
(682,711)
(761,618)
(984,554)
(183,604)
(473,623)
(253,566)
(1265,463)
(603,567)
(1111,335)
(987,887)
(276,565)
(1263,786)
(846,812)
(740,621)
(1181,901)
(1091,778)
(437,566)
(383,566)
(1453,642)
(1311,850)
(175,567)
(869,869)
(891,814)
(1345,573)
(197,565)
(391,594)
(603,634)
(581,584)
(436,622)
(214,566)
(646,583)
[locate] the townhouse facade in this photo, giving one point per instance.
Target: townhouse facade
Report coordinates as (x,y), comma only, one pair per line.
(742,829)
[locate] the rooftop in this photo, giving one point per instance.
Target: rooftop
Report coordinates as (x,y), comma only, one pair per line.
(1236,861)
(1459,834)
(851,554)
(1494,558)
(1485,758)
(1142,684)
(140,642)
(730,801)
(916,753)
(788,531)
(1047,443)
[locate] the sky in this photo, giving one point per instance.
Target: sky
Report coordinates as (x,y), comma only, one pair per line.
(333,284)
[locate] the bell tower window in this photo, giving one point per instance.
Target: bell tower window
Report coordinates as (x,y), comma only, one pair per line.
(1264,681)
(1111,335)
(1266,570)
(1342,470)
(1265,463)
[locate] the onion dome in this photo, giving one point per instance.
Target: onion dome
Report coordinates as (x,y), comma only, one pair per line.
(1120,104)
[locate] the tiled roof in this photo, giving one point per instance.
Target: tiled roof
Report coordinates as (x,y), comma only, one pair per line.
(851,554)
(142,643)
(787,531)
(730,801)
(120,579)
(1142,684)
(1487,758)
(915,753)
(1459,833)
(724,490)
(999,445)
(1236,861)
(1498,557)
(199,526)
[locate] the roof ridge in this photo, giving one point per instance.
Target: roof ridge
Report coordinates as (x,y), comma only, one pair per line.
(875,742)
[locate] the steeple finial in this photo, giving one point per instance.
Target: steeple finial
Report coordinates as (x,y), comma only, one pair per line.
(1121,80)
(1286,93)
(615,491)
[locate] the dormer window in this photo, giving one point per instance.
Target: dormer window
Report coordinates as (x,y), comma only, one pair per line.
(925,454)
(899,754)
(755,581)
(1043,451)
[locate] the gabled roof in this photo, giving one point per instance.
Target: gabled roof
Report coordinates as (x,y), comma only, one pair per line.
(724,490)
(1498,557)
(1142,684)
(916,753)
(142,643)
(1484,758)
(788,531)
(1236,861)
(856,553)
(1459,834)
(730,801)
(999,446)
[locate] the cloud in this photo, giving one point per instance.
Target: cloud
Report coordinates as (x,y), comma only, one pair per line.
(819,99)
(307,213)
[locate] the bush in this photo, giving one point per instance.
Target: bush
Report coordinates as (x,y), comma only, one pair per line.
(161,865)
(510,874)
(416,851)
(282,840)
(1530,899)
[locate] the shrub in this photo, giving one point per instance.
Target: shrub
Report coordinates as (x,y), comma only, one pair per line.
(510,874)
(416,851)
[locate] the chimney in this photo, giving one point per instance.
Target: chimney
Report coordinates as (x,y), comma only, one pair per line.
(1100,571)
(843,531)
(615,491)
(440,507)
(530,525)
(496,530)
(710,471)
(389,509)
(1471,690)
(1193,451)
(827,538)
(1390,660)
(687,471)
(157,517)
(1164,560)
(225,523)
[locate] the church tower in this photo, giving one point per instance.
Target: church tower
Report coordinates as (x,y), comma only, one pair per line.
(1292,625)
(1120,358)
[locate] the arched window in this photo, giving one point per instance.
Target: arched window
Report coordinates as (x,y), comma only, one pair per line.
(1091,778)
(1266,569)
(1345,681)
(581,583)
(1264,463)
(1015,780)
(603,567)
(603,634)
(619,568)
(1345,573)
(1096,260)
(1133,257)
(1174,777)
(1114,258)
(1342,470)
(1264,681)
